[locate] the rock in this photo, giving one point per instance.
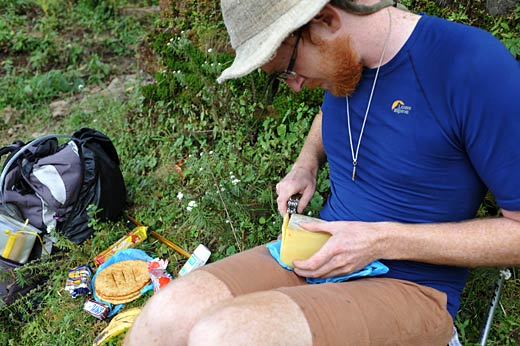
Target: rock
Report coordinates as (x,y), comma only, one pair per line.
(10,114)
(120,85)
(115,88)
(16,129)
(499,7)
(59,108)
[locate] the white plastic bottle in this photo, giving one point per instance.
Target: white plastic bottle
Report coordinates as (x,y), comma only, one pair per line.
(199,257)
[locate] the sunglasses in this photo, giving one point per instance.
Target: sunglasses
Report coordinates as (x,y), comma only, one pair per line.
(288,74)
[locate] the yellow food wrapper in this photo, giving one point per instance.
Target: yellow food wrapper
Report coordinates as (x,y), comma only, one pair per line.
(131,239)
(297,243)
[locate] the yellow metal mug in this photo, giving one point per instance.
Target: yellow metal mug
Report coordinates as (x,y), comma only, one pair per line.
(298,243)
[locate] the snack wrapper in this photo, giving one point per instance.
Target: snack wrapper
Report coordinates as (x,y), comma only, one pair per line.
(96,309)
(78,281)
(157,270)
(131,239)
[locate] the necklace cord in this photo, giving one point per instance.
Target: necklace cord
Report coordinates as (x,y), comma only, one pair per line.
(355,155)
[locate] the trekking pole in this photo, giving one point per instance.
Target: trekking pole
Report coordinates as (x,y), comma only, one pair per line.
(505,274)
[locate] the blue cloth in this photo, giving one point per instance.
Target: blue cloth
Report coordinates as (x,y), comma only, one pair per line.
(443,128)
(373,269)
(122,255)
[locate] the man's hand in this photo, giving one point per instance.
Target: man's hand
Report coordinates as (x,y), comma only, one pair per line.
(302,177)
(351,247)
(299,180)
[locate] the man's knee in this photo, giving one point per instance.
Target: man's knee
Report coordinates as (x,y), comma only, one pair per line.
(170,314)
(261,318)
(182,295)
(214,329)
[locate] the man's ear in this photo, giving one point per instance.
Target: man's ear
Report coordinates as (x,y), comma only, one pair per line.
(329,19)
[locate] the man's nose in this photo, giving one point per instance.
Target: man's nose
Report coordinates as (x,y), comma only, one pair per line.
(296,84)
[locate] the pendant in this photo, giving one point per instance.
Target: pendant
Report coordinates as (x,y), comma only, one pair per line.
(354,165)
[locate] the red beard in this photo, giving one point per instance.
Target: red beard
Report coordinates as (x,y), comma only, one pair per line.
(341,66)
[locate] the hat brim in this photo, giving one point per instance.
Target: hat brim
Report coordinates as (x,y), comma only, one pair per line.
(260,49)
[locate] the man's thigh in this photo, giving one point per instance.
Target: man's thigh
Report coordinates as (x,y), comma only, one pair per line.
(252,271)
(374,311)
(369,311)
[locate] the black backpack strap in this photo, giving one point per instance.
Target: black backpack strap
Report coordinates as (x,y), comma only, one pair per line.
(11,149)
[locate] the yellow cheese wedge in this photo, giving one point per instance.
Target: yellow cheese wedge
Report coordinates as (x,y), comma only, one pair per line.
(297,243)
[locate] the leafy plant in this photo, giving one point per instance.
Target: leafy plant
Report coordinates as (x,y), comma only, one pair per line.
(200,159)
(508,31)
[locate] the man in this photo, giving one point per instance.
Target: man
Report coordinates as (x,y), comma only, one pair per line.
(419,120)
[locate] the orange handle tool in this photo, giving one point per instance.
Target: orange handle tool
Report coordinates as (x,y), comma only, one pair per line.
(162,239)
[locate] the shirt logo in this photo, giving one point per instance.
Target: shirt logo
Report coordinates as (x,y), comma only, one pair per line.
(399,107)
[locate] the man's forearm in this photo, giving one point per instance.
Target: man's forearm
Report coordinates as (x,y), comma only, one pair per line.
(312,155)
(473,243)
(302,176)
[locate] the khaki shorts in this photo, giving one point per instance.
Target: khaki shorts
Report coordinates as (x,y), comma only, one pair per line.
(368,311)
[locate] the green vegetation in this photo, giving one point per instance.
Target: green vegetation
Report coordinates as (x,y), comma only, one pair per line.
(200,159)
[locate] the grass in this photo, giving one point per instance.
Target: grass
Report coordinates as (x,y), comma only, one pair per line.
(200,160)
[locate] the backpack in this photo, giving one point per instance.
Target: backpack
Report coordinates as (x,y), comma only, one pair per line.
(53,185)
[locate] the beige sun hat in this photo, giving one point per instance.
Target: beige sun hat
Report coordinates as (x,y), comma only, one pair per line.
(257,28)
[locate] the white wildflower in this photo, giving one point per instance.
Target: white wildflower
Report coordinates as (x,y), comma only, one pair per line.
(234,180)
(191,205)
(210,50)
(180,195)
